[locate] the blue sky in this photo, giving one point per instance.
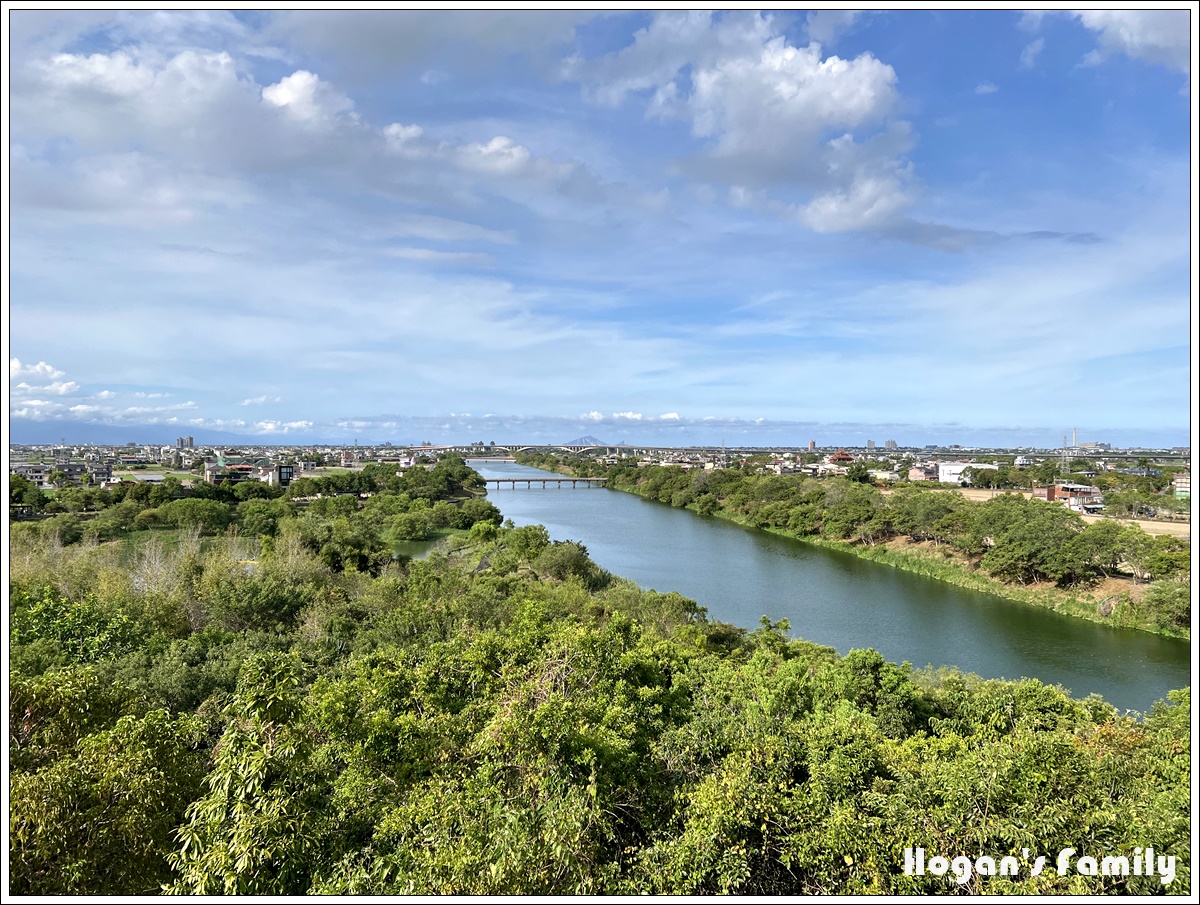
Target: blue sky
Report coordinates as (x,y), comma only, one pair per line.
(788,225)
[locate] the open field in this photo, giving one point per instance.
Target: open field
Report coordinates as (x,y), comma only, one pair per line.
(1151,526)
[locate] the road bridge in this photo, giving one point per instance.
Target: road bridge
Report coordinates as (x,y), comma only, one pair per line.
(545,482)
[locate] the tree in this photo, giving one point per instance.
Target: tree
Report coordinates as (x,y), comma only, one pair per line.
(859,472)
(209,516)
(98,820)
(1103,544)
(258,827)
(1032,541)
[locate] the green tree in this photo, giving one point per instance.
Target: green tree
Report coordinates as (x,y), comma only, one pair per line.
(98,820)
(257,829)
(859,472)
(210,516)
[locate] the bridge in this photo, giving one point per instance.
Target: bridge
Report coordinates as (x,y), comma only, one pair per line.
(545,482)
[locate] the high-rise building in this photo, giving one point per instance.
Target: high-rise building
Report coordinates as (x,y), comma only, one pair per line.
(890,444)
(812,445)
(870,444)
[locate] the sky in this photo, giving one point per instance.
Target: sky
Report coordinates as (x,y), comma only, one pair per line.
(672,227)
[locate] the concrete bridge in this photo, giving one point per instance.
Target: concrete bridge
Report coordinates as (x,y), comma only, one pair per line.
(545,482)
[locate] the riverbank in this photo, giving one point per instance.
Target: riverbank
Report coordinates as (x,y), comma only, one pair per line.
(1111,607)
(1115,601)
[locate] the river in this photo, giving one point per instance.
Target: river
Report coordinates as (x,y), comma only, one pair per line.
(836,599)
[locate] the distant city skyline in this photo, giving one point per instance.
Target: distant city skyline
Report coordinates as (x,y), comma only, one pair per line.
(465,429)
(932,226)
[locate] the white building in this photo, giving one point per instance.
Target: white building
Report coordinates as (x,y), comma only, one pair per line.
(952,472)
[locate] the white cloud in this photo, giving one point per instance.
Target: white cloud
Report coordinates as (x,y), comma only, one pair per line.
(669,416)
(41,370)
(429,256)
(375,41)
(260,400)
(281,427)
(986,88)
(826,25)
(152,137)
(592,416)
(776,116)
(1156,36)
(130,188)
(441,229)
(49,380)
(307,99)
(1030,54)
(58,387)
(628,416)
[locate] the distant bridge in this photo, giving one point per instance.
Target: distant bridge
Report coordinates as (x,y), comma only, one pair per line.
(545,482)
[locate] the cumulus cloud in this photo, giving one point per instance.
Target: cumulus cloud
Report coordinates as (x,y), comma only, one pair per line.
(281,427)
(162,136)
(47,380)
(774,116)
(41,370)
(1155,36)
(986,88)
(307,99)
(1159,36)
(260,400)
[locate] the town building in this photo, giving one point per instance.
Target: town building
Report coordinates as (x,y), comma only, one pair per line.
(1080,497)
(952,472)
(1183,485)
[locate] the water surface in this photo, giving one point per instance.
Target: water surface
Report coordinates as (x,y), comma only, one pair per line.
(834,598)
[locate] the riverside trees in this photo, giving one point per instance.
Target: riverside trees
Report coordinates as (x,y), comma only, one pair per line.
(1014,539)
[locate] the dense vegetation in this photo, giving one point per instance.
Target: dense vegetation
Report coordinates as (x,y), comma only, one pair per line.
(1014,540)
(347,515)
(251,713)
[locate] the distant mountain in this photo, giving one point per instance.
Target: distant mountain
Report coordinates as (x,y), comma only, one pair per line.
(23,431)
(589,440)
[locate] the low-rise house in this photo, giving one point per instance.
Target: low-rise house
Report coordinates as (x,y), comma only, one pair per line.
(1183,485)
(36,474)
(1074,496)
